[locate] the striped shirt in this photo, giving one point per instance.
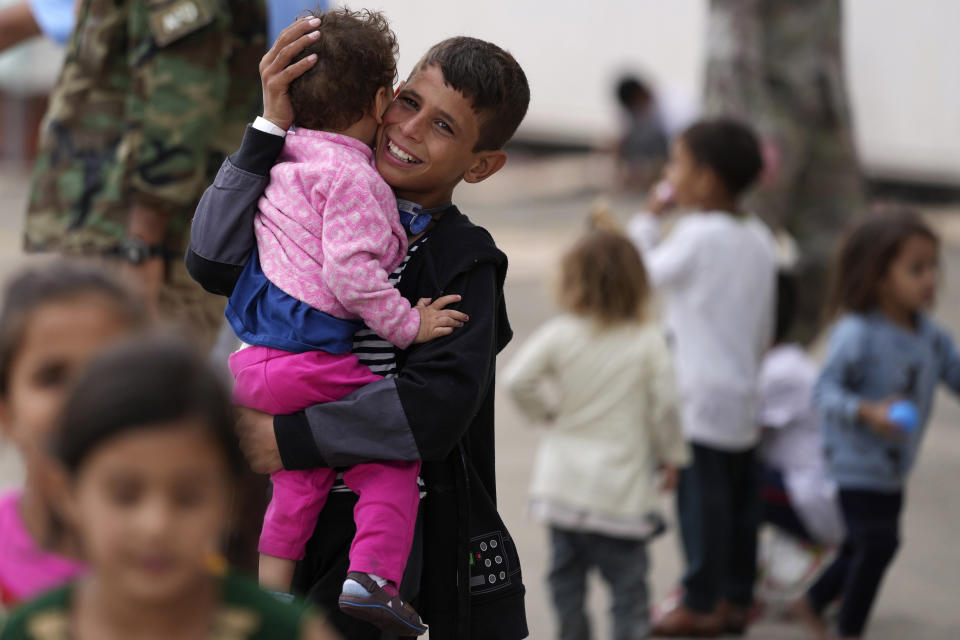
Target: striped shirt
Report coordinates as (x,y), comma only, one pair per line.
(380,355)
(372,350)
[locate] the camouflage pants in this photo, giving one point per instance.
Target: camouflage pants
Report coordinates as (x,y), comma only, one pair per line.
(185,305)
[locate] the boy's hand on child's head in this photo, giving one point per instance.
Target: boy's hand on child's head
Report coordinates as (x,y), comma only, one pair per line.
(876,415)
(435,321)
(669,476)
(276,72)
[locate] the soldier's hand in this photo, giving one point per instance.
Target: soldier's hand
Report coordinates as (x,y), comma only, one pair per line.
(149,225)
(276,72)
(145,280)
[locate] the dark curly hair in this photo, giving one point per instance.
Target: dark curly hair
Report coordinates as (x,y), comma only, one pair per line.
(490,78)
(356,56)
(865,255)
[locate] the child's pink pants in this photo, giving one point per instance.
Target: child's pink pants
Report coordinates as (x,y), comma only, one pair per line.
(281,382)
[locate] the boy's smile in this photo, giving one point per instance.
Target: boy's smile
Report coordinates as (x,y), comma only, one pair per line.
(426,144)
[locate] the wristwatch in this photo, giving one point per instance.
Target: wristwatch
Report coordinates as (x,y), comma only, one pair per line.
(136,251)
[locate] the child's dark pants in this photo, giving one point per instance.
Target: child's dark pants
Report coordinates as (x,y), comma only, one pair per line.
(777,509)
(873,524)
(719,506)
(623,565)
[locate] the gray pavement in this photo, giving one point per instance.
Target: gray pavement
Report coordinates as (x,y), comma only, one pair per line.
(533,210)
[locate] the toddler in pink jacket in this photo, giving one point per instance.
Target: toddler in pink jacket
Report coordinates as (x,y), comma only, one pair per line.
(330,245)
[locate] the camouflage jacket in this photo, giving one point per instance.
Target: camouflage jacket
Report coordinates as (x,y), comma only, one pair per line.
(152,95)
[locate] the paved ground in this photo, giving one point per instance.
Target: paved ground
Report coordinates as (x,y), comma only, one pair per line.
(534,209)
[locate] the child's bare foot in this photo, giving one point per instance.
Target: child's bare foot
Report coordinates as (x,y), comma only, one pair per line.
(810,620)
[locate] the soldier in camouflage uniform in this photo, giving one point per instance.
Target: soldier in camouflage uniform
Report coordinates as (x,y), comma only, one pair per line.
(779,66)
(152,95)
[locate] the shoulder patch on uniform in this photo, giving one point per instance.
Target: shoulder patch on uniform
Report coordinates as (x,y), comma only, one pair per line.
(171,20)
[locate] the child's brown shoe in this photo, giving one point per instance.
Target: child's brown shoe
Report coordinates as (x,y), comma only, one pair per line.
(684,622)
(383,608)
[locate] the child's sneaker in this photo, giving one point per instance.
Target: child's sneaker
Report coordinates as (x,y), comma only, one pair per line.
(381,606)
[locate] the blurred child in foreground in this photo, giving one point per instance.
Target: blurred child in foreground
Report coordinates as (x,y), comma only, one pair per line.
(147,462)
(613,427)
(717,272)
(55,317)
(884,350)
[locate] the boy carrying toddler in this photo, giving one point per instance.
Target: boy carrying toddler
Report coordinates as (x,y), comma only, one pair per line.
(448,123)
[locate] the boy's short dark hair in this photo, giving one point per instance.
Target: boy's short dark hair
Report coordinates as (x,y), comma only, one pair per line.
(356,56)
(727,147)
(489,77)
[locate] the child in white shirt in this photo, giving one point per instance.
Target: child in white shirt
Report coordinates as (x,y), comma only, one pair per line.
(717,272)
(798,495)
(798,498)
(613,425)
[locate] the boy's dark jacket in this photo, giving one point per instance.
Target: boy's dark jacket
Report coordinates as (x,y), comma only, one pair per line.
(439,410)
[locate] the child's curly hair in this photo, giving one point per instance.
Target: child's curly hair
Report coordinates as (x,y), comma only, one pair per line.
(602,275)
(356,56)
(865,254)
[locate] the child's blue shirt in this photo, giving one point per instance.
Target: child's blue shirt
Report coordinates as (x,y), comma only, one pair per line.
(870,358)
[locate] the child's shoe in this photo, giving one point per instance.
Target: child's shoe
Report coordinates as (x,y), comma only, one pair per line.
(381,606)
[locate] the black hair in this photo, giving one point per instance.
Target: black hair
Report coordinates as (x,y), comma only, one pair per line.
(865,256)
(629,88)
(148,382)
(786,305)
(729,149)
(59,281)
(490,78)
(356,57)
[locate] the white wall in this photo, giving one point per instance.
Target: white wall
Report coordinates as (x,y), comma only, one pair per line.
(572,52)
(904,61)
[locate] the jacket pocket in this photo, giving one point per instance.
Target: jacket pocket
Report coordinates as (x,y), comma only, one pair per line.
(496,590)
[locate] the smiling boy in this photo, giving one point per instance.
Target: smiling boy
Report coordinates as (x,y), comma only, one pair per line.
(461,104)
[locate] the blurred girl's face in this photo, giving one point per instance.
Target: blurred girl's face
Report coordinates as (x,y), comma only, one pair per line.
(149,506)
(60,337)
(911,279)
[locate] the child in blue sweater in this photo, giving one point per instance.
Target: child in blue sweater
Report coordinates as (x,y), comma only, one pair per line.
(883,350)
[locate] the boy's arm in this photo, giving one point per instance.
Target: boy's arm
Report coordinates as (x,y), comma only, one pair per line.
(527,371)
(222,236)
(419,415)
(667,260)
(17,23)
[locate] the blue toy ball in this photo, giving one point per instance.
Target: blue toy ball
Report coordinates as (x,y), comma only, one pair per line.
(904,413)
